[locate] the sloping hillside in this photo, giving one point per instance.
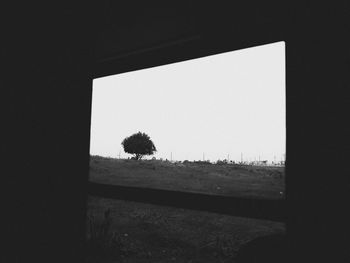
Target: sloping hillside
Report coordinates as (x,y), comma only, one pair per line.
(233,180)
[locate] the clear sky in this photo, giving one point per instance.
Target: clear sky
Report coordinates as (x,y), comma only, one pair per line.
(220,105)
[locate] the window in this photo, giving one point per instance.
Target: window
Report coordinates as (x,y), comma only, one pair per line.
(218,124)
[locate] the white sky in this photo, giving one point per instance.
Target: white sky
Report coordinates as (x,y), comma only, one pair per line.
(219,105)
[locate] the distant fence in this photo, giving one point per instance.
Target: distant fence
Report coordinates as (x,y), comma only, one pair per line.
(262,166)
(273,210)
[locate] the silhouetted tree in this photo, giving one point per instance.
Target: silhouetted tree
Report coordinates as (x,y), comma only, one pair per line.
(139,144)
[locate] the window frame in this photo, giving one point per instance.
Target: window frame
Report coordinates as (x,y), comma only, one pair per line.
(164,54)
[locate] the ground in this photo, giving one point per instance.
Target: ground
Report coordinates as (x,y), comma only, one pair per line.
(135,232)
(233,180)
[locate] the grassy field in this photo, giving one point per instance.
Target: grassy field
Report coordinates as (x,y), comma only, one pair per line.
(233,180)
(136,232)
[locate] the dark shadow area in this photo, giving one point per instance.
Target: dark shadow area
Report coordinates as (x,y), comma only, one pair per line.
(271,248)
(127,231)
(253,208)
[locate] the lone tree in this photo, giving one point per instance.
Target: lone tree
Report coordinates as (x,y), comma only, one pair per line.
(139,144)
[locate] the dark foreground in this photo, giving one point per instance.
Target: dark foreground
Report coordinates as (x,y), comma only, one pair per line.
(135,232)
(129,231)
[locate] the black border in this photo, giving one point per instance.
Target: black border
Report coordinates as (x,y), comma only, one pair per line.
(47,55)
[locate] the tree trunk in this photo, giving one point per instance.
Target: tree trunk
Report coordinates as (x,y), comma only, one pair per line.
(138,156)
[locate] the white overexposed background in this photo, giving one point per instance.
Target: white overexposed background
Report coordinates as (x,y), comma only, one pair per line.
(220,106)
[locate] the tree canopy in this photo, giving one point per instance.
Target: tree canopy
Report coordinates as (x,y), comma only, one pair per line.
(139,144)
